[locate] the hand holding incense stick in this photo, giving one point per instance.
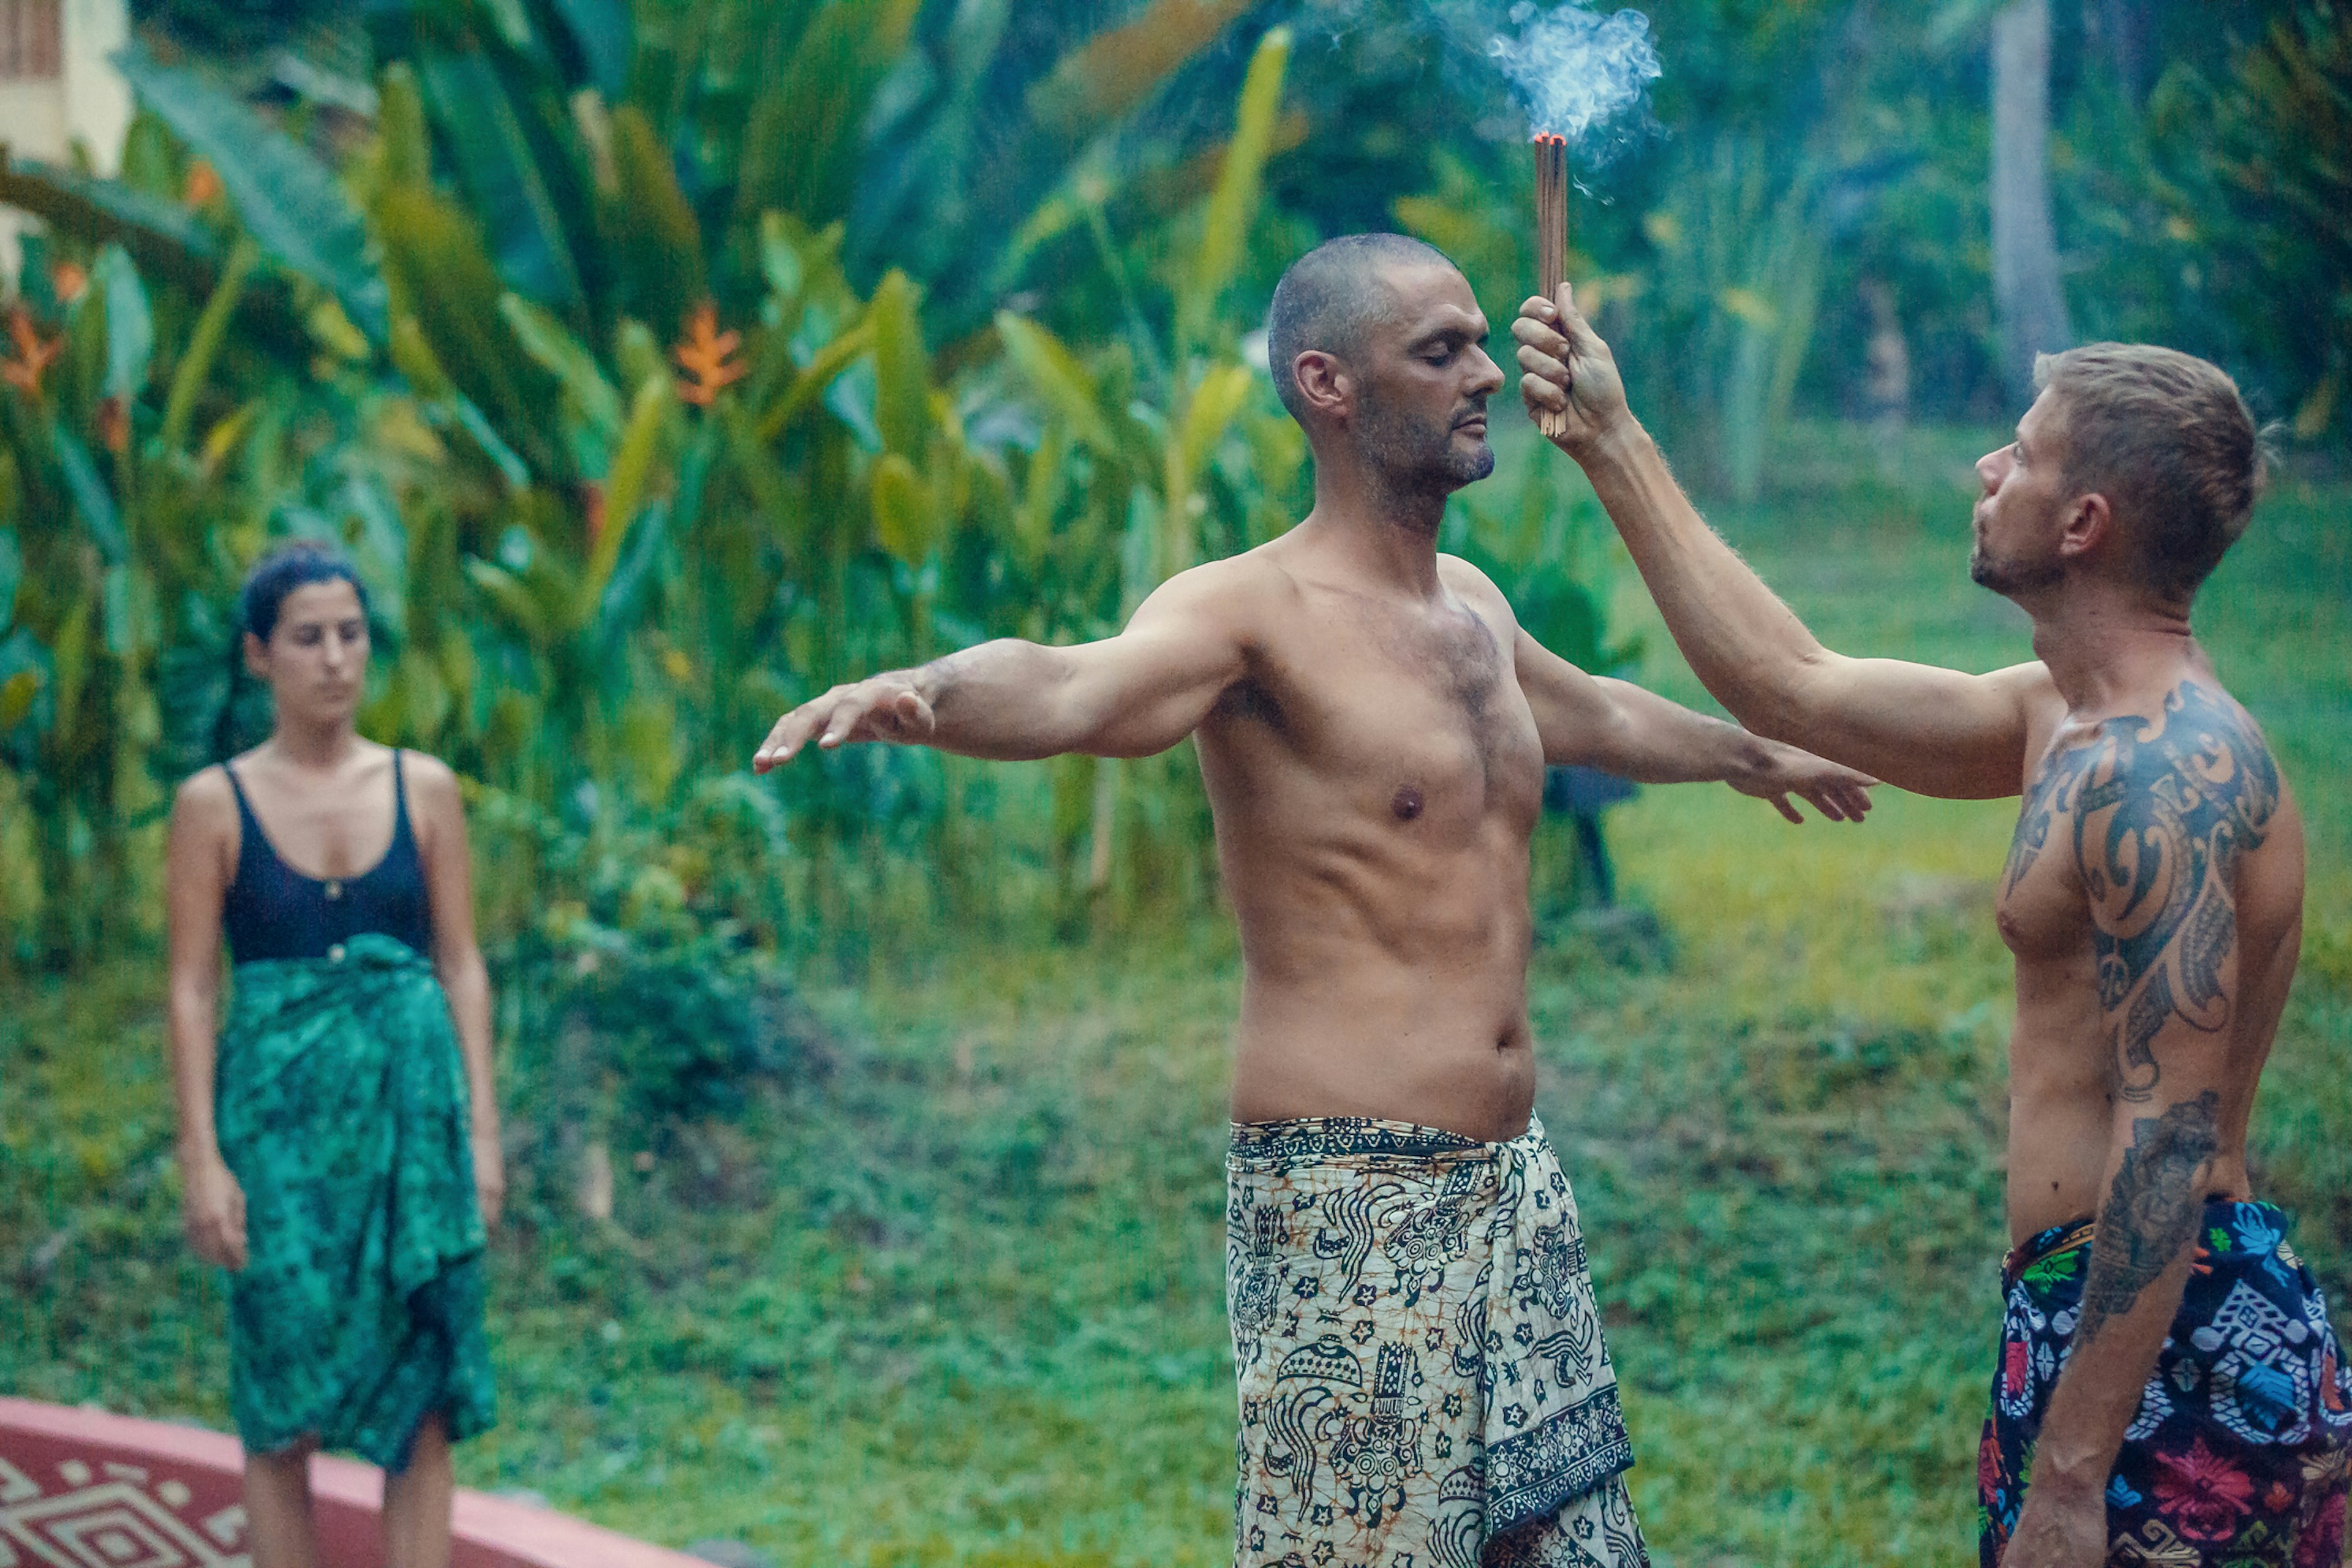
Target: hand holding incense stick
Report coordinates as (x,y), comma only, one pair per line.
(1551,238)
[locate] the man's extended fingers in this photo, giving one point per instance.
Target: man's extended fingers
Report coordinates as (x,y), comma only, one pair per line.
(1781,802)
(841,723)
(790,733)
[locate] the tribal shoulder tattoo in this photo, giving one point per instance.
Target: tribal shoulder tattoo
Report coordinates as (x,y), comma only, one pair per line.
(2158,813)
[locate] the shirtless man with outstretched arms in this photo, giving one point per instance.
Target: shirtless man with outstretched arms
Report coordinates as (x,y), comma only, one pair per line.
(1373,726)
(2153,898)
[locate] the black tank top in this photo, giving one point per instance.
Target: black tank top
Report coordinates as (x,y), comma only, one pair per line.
(272,911)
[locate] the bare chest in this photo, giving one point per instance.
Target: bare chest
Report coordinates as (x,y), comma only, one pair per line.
(1419,726)
(2040,908)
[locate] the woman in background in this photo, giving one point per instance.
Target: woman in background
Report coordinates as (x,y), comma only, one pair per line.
(339,1135)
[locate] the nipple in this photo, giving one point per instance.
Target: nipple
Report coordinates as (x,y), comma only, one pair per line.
(1407,803)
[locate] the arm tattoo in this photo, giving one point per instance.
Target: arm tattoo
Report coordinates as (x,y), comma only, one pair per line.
(2152,1209)
(2160,812)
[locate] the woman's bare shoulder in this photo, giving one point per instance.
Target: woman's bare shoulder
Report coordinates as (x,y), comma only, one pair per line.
(205,798)
(431,783)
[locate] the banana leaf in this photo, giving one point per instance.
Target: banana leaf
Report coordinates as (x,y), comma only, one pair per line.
(599,33)
(1114,71)
(657,242)
(403,146)
(622,599)
(290,202)
(507,594)
(166,240)
(592,408)
(150,162)
(511,193)
(17,694)
(1232,206)
(902,513)
(1053,373)
(625,486)
(12,572)
(440,277)
(902,371)
(130,324)
(803,144)
(1208,413)
(816,380)
(90,496)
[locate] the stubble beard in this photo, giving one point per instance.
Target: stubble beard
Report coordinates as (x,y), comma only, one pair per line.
(2010,577)
(1416,458)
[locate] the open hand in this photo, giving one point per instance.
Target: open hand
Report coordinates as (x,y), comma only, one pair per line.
(881,708)
(1567,371)
(1839,794)
(212,1212)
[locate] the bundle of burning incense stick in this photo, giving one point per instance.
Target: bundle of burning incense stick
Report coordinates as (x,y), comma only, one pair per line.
(1551,234)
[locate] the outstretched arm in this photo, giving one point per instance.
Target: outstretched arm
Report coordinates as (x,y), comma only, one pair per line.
(2159,814)
(1935,732)
(1127,696)
(1638,734)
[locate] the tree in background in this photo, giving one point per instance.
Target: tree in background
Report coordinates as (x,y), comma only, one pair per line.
(2028,303)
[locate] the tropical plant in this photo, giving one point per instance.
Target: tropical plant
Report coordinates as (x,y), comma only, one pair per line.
(2271,137)
(1158,449)
(159,421)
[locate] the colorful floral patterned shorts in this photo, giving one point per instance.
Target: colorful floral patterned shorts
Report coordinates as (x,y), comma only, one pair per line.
(2241,1454)
(1423,1382)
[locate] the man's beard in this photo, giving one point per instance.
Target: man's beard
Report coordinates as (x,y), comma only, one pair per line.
(2011,577)
(1413,455)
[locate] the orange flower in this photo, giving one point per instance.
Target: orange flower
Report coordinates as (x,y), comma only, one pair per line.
(68,280)
(592,503)
(114,425)
(33,356)
(203,185)
(706,356)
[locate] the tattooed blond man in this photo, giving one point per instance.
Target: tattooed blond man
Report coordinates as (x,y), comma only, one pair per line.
(2169,1390)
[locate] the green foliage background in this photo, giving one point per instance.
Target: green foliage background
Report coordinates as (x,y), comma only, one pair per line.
(905,1072)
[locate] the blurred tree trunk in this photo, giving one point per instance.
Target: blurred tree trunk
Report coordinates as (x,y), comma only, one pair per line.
(2029,308)
(2118,29)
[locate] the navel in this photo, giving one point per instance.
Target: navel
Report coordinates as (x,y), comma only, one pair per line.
(1407,803)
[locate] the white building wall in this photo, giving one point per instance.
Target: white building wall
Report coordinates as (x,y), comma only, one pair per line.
(88,103)
(97,100)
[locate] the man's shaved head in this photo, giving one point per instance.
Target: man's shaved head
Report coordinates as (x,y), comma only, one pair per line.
(1330,297)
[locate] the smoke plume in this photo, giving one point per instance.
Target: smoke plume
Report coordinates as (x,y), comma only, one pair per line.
(1579,74)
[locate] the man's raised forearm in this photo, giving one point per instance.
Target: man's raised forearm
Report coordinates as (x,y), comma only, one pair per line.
(1744,644)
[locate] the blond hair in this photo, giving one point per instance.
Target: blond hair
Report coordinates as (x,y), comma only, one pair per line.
(2164,437)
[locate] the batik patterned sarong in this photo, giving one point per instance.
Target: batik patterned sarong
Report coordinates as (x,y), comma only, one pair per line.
(342,1111)
(1423,1381)
(2242,1452)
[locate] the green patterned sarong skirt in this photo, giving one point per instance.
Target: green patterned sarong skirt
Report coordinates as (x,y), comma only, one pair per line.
(341,1104)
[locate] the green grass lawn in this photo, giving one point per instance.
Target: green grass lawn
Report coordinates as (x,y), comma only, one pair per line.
(960,1299)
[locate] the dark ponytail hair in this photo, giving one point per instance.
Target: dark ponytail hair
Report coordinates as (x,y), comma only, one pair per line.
(281,572)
